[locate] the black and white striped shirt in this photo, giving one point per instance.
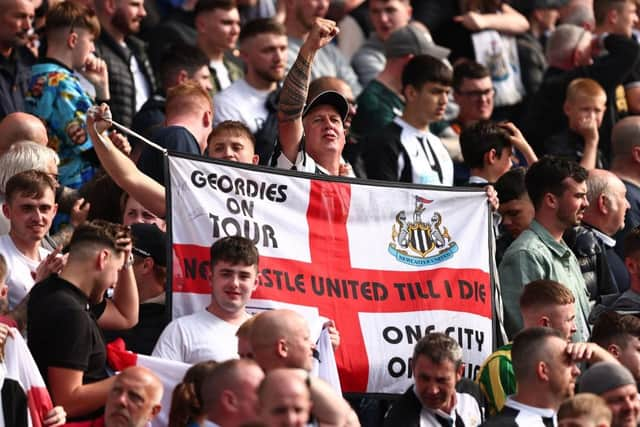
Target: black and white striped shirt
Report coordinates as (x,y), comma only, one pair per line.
(516,414)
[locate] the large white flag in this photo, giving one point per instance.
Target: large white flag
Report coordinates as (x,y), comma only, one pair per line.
(388,263)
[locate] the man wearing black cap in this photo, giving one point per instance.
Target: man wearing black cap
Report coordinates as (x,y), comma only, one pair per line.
(311,137)
(150,270)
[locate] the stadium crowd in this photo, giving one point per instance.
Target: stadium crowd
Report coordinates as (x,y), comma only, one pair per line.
(535,101)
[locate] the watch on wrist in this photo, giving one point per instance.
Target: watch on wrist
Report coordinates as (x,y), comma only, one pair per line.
(129,262)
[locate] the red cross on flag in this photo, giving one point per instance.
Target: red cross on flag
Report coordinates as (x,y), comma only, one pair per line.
(388,263)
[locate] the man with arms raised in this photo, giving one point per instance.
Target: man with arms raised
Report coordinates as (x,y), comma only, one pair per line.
(210,334)
(311,137)
(300,18)
(546,372)
(66,312)
(232,142)
(187,125)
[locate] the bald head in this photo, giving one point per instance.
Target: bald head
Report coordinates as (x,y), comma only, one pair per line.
(280,338)
(21,127)
(625,137)
(145,388)
(608,204)
(284,399)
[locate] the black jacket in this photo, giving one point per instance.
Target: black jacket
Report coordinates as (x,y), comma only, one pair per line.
(121,80)
(405,412)
(15,72)
(592,257)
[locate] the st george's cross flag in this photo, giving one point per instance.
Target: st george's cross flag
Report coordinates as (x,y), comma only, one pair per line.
(388,263)
(25,400)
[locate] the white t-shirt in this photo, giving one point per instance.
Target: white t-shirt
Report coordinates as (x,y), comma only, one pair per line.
(196,338)
(241,102)
(222,74)
(143,91)
(20,269)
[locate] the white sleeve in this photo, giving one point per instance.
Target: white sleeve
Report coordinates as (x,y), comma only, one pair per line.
(171,344)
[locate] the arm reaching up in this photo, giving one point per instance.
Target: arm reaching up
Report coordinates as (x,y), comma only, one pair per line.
(296,86)
(122,170)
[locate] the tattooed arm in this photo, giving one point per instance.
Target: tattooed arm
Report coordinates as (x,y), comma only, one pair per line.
(296,86)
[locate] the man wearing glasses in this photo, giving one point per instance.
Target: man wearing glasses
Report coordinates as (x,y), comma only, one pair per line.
(473,92)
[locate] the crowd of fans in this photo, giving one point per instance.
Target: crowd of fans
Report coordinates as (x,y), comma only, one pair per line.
(536,101)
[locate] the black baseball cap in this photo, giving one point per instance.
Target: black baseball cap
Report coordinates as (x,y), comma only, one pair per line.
(149,241)
(329,97)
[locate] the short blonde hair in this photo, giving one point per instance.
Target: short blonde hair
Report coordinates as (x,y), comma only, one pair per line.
(584,87)
(188,96)
(586,405)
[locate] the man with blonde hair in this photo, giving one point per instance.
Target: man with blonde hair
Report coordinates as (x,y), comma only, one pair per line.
(189,118)
(584,106)
(585,410)
(569,54)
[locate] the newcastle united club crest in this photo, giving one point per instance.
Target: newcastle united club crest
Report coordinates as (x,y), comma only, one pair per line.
(422,239)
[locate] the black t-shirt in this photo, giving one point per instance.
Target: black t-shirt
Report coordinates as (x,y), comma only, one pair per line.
(62,331)
(174,138)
